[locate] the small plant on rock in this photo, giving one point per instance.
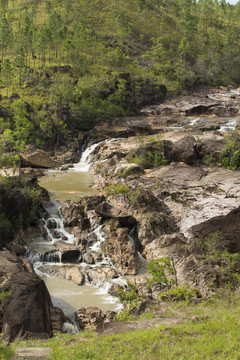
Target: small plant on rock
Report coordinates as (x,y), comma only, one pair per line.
(162,272)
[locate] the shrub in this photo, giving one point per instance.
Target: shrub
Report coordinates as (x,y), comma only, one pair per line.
(230,155)
(180,293)
(162,272)
(116,189)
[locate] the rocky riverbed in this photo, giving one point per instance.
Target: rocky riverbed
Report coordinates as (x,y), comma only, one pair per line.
(154,197)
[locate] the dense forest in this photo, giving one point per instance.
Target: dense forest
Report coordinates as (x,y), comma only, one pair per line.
(66,64)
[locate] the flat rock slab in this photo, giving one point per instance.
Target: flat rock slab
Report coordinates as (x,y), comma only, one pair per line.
(32,353)
(113,327)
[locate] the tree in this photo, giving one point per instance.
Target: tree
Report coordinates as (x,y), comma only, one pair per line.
(6,72)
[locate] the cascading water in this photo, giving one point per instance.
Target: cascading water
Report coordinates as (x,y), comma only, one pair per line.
(44,253)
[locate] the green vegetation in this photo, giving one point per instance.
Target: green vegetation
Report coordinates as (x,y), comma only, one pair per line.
(230,156)
(116,189)
(73,63)
(193,339)
(180,293)
(6,353)
(162,272)
(150,152)
(216,248)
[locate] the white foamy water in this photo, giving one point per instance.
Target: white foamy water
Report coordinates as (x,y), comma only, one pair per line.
(85,161)
(229,125)
(193,122)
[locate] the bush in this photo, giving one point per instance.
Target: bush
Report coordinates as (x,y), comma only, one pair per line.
(180,293)
(230,155)
(116,189)
(162,272)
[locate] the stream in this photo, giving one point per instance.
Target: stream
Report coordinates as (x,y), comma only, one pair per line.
(48,261)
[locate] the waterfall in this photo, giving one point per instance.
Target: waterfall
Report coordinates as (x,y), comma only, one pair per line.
(84,163)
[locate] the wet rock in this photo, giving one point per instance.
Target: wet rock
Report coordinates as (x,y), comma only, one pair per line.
(56,234)
(184,150)
(98,275)
(109,316)
(52,224)
(89,318)
(57,319)
(89,259)
(122,252)
(67,272)
(37,158)
(73,214)
(16,247)
(70,253)
(75,275)
(108,211)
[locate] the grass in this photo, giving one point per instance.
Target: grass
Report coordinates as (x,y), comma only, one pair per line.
(213,335)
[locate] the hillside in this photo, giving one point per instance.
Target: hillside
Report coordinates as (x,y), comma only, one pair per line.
(70,64)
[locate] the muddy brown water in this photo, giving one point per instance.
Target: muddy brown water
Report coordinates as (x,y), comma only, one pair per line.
(68,185)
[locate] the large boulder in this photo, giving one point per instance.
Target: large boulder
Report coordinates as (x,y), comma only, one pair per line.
(184,150)
(227,226)
(27,313)
(38,158)
(210,147)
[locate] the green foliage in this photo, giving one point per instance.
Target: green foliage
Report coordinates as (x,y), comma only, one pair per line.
(180,293)
(230,155)
(6,352)
(116,189)
(128,296)
(214,243)
(125,173)
(150,158)
(209,160)
(215,247)
(4,296)
(162,272)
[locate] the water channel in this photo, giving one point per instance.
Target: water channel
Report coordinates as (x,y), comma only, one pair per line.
(45,257)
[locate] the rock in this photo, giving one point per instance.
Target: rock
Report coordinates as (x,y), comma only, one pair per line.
(184,150)
(228,227)
(70,253)
(27,313)
(75,275)
(57,320)
(149,151)
(98,275)
(108,211)
(37,158)
(15,247)
(89,318)
(209,148)
(68,272)
(52,224)
(73,214)
(122,252)
(89,259)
